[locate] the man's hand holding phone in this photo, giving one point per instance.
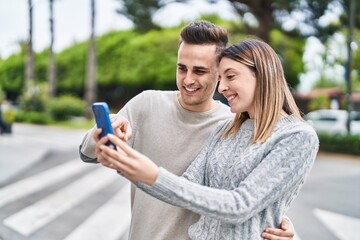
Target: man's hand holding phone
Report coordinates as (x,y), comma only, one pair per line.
(122,128)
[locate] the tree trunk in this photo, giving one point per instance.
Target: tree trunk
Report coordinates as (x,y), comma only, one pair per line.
(90,85)
(52,64)
(262,10)
(265,18)
(348,65)
(29,72)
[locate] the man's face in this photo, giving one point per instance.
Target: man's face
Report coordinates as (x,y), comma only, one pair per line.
(196,76)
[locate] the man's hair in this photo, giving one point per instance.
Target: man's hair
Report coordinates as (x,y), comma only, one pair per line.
(272,94)
(203,32)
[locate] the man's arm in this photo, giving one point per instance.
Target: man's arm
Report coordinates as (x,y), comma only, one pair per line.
(87,147)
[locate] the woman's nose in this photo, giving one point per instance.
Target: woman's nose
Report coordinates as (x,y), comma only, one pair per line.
(222,87)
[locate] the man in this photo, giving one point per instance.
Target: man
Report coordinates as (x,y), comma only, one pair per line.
(171,127)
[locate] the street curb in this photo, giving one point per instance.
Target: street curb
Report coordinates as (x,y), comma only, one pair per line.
(328,155)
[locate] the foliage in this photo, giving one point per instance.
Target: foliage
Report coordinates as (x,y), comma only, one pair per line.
(132,59)
(34,98)
(33,117)
(320,102)
(290,50)
(71,63)
(129,62)
(65,107)
(305,15)
(75,123)
(340,143)
(12,73)
(9,115)
(2,95)
(356,64)
(141,12)
(325,83)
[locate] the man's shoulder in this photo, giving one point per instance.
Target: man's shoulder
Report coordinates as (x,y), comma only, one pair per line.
(153,92)
(224,110)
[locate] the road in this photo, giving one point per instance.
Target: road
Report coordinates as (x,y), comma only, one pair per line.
(46,192)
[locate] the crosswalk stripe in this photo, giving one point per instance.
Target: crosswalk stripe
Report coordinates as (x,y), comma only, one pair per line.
(39,214)
(342,226)
(109,222)
(35,183)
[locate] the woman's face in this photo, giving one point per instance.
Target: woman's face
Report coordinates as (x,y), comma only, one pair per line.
(237,84)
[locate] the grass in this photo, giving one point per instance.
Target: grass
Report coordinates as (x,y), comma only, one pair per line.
(75,123)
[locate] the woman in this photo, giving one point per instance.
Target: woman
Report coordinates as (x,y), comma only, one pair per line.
(251,168)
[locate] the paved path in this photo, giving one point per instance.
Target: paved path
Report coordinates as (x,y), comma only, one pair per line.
(29,144)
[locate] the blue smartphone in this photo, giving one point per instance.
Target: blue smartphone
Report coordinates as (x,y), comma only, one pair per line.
(101,113)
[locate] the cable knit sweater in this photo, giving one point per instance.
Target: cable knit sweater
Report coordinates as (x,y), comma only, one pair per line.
(240,188)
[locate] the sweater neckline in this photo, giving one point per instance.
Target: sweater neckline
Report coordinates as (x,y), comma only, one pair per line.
(185,111)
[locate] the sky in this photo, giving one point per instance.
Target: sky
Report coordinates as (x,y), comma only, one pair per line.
(72,20)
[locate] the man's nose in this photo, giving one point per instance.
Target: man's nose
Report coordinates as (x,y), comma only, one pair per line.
(188,80)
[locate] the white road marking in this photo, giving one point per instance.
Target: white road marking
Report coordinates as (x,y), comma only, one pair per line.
(38,182)
(342,226)
(39,214)
(109,222)
(297,237)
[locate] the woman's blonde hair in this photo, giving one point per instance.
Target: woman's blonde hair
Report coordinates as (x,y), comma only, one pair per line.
(272,94)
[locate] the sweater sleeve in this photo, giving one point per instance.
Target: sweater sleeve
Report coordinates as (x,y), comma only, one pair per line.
(284,169)
(130,112)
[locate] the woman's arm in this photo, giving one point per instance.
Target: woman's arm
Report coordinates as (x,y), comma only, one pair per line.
(284,169)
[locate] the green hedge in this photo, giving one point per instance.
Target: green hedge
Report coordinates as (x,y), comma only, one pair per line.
(349,144)
(65,107)
(128,61)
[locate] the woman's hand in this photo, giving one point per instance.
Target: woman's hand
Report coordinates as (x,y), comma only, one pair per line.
(129,162)
(287,231)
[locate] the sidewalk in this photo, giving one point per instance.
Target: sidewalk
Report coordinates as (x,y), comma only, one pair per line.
(29,143)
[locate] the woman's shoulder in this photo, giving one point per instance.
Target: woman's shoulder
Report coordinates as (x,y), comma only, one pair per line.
(221,126)
(294,125)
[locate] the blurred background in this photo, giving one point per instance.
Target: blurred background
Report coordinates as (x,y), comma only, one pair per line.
(57,57)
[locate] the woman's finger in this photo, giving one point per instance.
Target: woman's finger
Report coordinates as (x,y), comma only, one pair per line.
(115,160)
(123,146)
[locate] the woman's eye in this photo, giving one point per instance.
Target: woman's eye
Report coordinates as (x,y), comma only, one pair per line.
(230,77)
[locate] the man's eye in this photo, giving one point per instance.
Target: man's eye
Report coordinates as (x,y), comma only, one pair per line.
(182,69)
(200,72)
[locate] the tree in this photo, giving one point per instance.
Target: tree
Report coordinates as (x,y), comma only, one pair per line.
(52,79)
(90,85)
(141,12)
(348,64)
(273,13)
(29,72)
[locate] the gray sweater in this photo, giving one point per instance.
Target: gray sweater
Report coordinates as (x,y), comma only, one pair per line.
(240,188)
(172,137)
